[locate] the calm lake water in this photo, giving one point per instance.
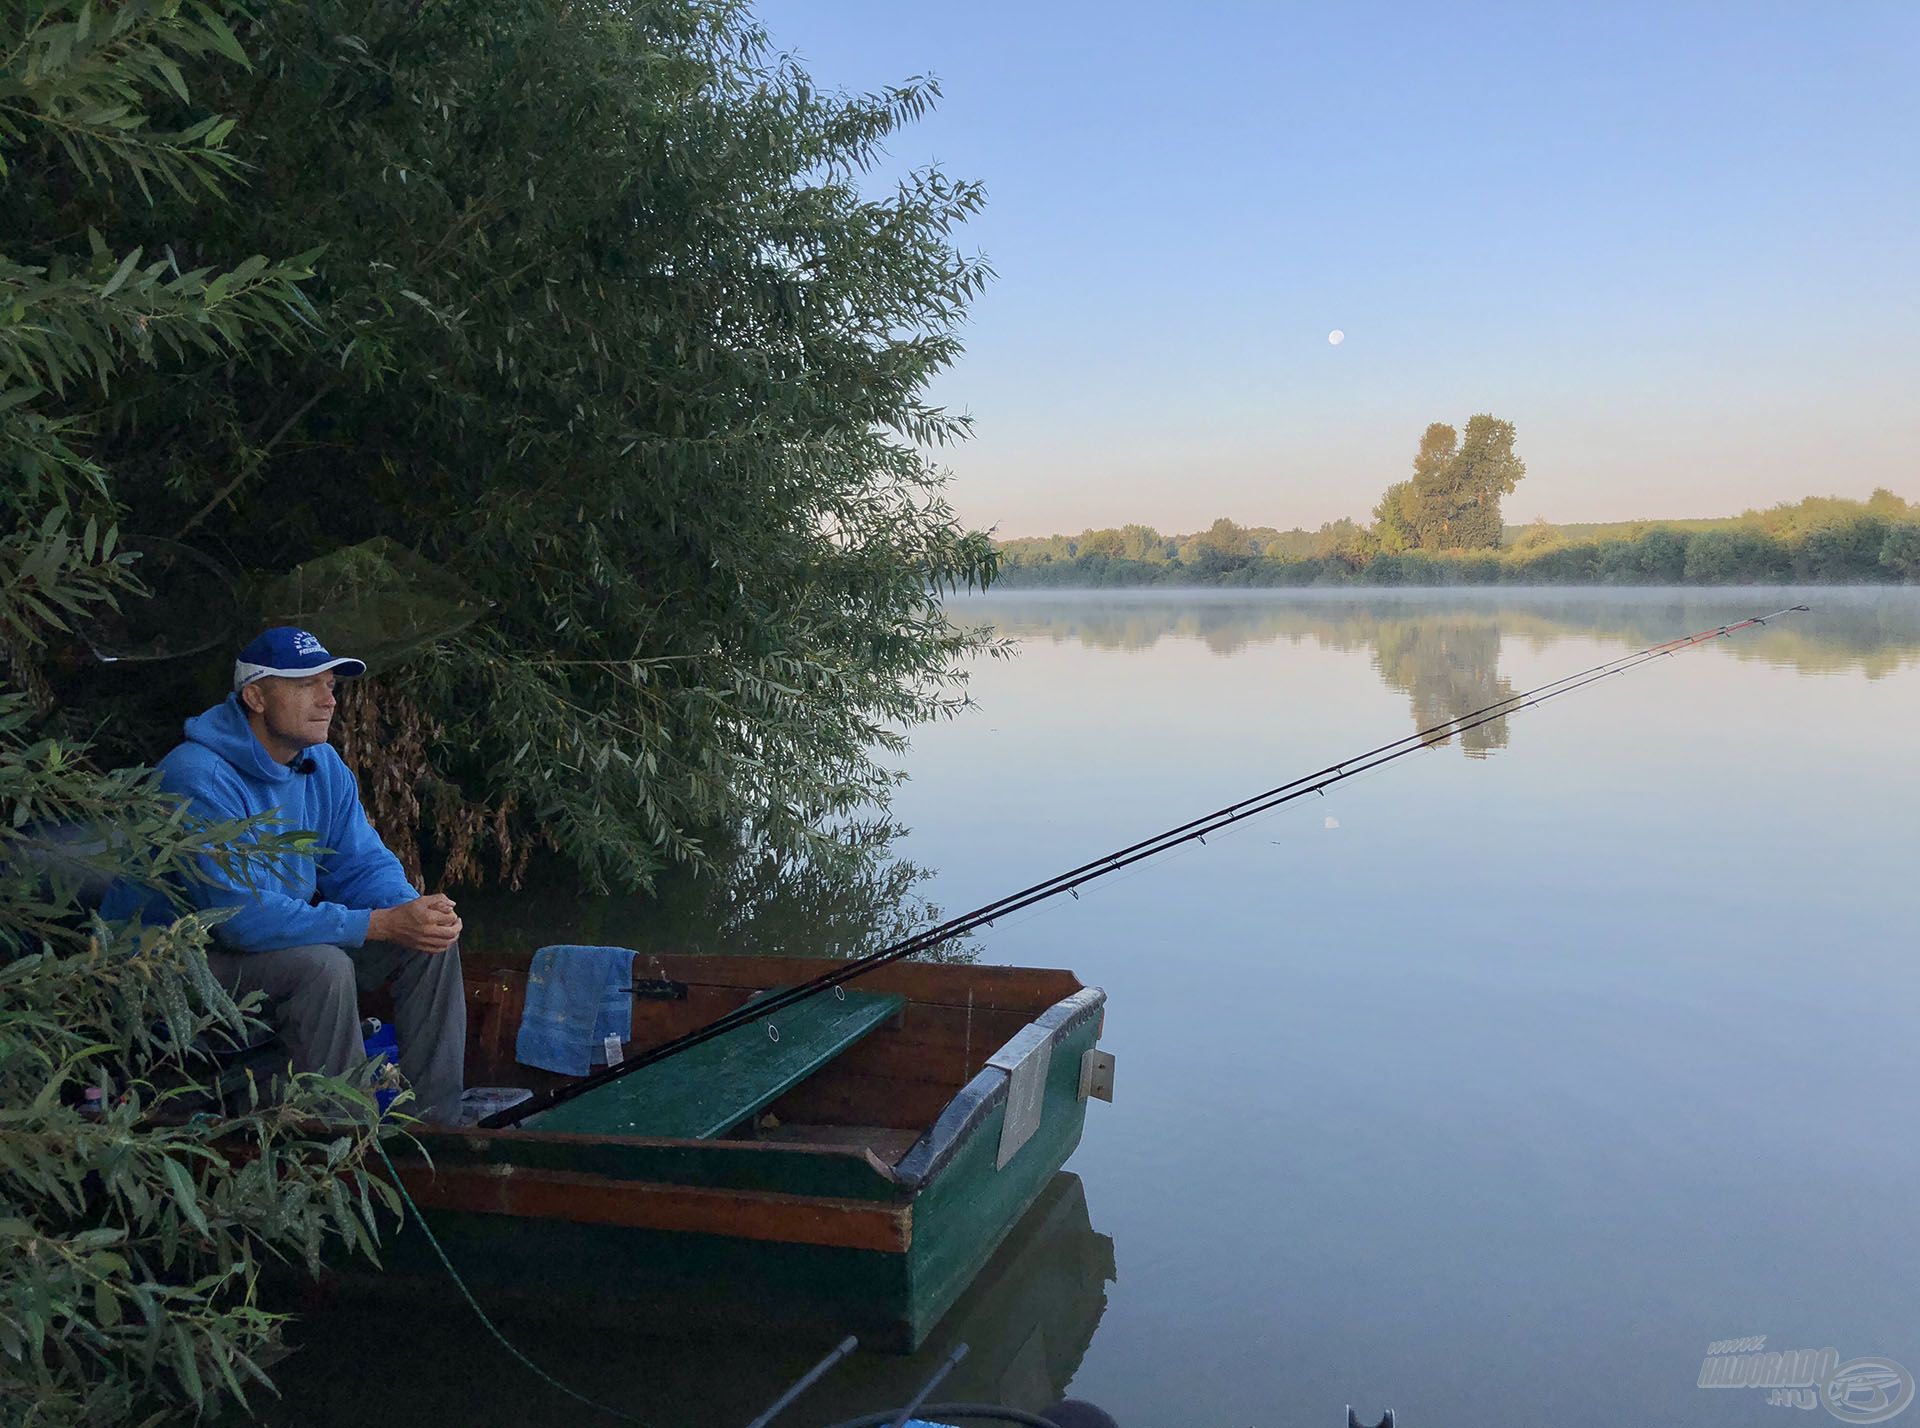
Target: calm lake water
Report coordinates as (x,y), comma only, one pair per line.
(1492,1087)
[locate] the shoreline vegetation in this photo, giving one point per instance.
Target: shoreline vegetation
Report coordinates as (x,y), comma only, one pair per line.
(1871,630)
(1819,540)
(561,362)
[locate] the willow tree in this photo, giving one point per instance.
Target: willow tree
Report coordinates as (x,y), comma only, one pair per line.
(136,1208)
(613,328)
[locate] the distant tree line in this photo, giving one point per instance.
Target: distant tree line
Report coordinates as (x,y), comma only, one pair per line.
(1444,526)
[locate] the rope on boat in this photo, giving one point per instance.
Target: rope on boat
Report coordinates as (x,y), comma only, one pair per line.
(1193,830)
(474,1304)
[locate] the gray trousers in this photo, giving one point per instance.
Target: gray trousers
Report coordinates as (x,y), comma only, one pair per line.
(317,994)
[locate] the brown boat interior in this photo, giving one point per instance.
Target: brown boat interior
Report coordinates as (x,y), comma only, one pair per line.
(879,1095)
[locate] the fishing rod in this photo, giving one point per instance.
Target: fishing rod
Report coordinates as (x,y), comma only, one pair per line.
(1193,830)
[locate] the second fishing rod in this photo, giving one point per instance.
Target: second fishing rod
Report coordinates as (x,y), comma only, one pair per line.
(1194,829)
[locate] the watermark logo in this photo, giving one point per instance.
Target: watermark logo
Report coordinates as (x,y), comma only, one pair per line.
(1866,1390)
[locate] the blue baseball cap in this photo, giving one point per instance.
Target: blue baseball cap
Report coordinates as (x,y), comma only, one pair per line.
(288,653)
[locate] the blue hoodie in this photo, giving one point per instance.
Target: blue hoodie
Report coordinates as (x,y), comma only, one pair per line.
(225,772)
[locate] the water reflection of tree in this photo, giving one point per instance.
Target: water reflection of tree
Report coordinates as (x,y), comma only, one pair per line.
(1442,648)
(1449,668)
(1873,632)
(749,903)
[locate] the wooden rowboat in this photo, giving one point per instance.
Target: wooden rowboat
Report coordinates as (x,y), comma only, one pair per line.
(851,1164)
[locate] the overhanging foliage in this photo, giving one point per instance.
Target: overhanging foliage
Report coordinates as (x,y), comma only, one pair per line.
(606,325)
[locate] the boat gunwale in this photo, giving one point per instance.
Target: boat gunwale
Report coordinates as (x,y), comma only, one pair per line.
(989,986)
(471,1136)
(508,1190)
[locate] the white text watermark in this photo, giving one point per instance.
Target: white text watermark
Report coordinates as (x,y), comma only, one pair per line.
(1863,1390)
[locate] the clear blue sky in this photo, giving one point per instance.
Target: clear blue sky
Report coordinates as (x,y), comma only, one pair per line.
(1674,244)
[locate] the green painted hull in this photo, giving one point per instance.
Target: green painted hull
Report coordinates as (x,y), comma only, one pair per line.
(968,1208)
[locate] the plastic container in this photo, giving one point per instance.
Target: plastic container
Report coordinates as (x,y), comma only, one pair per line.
(381,1041)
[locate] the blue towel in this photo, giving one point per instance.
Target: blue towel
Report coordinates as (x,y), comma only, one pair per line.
(576,998)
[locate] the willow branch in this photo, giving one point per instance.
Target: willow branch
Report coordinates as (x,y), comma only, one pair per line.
(252,464)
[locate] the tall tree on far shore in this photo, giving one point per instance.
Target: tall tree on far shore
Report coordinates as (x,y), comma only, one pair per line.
(1225,545)
(1394,526)
(1457,484)
(1439,444)
(1138,542)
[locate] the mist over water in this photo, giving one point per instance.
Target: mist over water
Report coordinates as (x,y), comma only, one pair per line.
(1493,1086)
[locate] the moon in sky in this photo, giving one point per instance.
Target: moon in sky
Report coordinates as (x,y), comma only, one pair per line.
(1336,337)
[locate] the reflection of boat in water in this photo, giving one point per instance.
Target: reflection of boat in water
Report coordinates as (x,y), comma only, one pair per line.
(850,1170)
(1027,1320)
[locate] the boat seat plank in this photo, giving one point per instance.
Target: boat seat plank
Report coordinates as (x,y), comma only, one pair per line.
(887,1143)
(707,1090)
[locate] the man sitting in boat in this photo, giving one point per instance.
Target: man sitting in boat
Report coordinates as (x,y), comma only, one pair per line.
(343,920)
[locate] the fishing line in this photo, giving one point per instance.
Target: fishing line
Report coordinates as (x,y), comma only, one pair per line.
(1194,829)
(486,1319)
